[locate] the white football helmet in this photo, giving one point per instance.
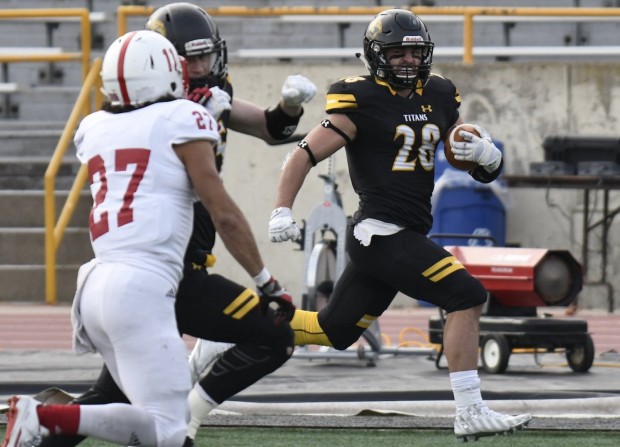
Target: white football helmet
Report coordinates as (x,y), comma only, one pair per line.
(142,66)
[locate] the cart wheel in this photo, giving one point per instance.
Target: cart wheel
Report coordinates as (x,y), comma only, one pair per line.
(495,353)
(581,357)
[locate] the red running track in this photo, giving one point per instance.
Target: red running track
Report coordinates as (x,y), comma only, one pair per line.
(45,327)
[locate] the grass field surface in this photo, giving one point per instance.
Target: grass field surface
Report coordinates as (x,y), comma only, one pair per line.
(304,437)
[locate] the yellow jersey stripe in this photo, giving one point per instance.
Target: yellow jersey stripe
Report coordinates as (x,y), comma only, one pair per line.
(340,101)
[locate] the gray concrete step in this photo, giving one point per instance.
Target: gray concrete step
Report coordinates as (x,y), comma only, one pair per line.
(28,142)
(20,172)
(22,239)
(36,101)
(45,102)
(28,138)
(26,208)
(25,182)
(26,246)
(26,283)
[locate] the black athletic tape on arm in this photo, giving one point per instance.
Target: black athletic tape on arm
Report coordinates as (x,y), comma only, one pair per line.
(328,125)
(279,124)
(302,144)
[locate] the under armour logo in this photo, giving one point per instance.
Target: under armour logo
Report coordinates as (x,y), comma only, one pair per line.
(427,109)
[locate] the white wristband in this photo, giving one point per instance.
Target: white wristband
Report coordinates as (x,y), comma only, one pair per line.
(262,278)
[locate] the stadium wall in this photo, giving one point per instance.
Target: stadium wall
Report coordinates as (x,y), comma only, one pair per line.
(519,103)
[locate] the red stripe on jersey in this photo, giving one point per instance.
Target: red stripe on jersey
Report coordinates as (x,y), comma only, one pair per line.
(121,69)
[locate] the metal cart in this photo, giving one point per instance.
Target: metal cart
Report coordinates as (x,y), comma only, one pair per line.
(519,281)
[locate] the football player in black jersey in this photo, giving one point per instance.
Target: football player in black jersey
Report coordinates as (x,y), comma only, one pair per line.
(390,123)
(258,339)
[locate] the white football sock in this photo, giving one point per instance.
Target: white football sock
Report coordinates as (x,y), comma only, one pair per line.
(466,389)
(200,405)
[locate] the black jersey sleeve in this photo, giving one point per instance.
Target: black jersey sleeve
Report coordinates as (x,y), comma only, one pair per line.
(346,95)
(448,96)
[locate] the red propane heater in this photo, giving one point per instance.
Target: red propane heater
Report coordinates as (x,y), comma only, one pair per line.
(519,281)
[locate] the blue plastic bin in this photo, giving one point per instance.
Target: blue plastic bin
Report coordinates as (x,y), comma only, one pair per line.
(469,211)
(466,208)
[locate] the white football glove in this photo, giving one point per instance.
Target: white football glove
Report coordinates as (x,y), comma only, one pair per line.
(218,103)
(282,226)
(297,89)
(479,149)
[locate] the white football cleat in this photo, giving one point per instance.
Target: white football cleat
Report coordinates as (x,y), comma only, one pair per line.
(478,421)
(204,354)
(23,428)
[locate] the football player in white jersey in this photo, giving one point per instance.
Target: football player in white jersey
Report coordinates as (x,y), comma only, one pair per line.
(248,342)
(148,154)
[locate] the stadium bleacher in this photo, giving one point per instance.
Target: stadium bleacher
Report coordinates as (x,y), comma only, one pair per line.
(37,97)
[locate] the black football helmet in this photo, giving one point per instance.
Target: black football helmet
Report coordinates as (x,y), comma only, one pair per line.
(398,28)
(192,32)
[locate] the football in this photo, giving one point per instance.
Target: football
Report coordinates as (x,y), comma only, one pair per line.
(455,136)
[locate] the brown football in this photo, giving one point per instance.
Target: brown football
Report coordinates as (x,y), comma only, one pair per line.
(456,136)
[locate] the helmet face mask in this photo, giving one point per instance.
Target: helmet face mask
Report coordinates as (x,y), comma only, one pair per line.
(193,33)
(397,28)
(202,65)
(142,67)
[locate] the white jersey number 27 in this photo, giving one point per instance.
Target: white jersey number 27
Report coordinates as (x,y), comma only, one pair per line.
(122,159)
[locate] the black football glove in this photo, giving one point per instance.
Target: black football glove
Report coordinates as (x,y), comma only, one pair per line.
(272,292)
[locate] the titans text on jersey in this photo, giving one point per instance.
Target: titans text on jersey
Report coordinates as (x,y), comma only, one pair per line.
(395,145)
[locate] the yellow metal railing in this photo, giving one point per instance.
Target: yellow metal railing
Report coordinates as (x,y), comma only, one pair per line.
(122,12)
(54,230)
(81,14)
(90,77)
(468,13)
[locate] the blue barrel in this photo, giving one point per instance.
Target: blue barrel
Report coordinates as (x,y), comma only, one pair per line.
(465,207)
(469,211)
(441,162)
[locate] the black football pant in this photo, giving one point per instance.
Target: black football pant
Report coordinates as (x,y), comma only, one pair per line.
(406,262)
(214,308)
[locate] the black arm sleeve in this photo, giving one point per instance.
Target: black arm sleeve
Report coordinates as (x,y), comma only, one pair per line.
(481,175)
(279,124)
